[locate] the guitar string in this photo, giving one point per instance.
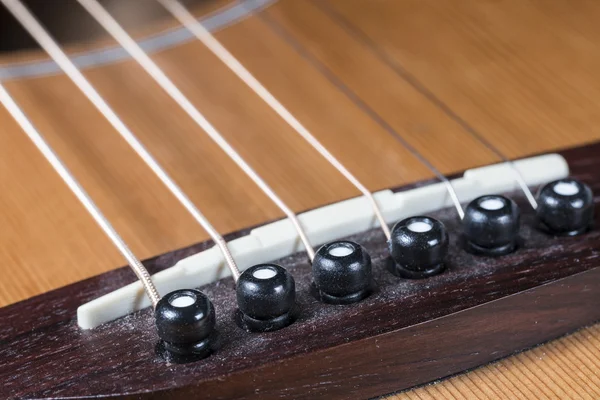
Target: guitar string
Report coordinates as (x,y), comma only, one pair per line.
(356,99)
(38,140)
(22,14)
(137,53)
(35,29)
(188,20)
(399,70)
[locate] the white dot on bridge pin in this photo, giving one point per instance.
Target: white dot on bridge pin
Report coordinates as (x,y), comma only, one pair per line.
(264,273)
(182,301)
(340,251)
(566,188)
(491,204)
(419,227)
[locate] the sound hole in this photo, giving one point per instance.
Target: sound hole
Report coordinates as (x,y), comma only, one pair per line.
(68,22)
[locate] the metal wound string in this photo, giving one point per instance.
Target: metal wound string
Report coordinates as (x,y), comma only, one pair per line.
(34,28)
(280,30)
(119,34)
(188,20)
(413,81)
(138,268)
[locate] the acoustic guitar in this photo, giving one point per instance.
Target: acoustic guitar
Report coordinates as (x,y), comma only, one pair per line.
(331,199)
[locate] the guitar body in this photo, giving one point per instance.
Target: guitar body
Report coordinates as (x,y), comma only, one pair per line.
(522,76)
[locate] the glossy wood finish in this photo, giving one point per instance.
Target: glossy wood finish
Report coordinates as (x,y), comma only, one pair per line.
(408,332)
(523,85)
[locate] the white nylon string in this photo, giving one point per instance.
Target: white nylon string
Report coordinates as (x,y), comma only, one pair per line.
(123,38)
(188,20)
(80,193)
(34,28)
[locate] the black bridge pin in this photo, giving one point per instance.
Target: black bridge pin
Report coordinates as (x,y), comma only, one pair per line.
(491,225)
(266,296)
(185,320)
(342,272)
(418,247)
(565,207)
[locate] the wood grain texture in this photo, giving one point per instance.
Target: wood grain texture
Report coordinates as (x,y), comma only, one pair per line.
(407,332)
(520,73)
